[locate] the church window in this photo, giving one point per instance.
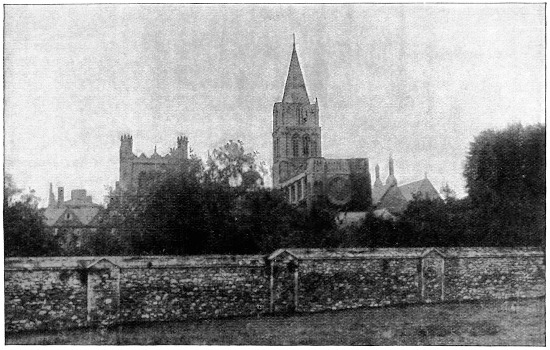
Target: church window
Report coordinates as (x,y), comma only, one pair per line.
(295,146)
(277,148)
(305,145)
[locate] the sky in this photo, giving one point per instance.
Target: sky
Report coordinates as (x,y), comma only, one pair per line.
(416,81)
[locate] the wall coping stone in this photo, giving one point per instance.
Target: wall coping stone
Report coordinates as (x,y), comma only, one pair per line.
(404,253)
(133,262)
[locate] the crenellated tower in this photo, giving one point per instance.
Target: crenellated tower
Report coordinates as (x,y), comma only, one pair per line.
(133,168)
(296,131)
(183,146)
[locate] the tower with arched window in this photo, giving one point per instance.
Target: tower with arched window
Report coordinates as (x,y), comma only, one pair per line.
(296,131)
(299,168)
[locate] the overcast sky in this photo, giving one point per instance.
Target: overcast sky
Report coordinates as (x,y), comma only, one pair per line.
(416,81)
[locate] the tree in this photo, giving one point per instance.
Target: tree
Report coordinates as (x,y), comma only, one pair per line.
(507,165)
(447,193)
(230,165)
(505,179)
(24,230)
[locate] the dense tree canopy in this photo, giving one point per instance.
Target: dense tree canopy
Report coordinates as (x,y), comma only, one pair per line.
(24,230)
(506,181)
(222,207)
(507,165)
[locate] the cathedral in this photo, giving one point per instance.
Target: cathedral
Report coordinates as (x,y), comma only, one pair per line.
(300,170)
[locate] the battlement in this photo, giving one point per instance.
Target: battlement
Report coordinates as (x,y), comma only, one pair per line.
(133,166)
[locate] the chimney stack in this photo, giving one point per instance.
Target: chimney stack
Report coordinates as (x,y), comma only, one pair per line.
(60,197)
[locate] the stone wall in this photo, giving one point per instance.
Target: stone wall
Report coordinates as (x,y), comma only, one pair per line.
(339,284)
(38,299)
(58,293)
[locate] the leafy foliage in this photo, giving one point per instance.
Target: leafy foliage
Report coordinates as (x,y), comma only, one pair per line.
(231,165)
(506,180)
(24,231)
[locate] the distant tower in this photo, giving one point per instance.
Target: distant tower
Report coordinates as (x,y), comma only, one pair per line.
(183,147)
(60,197)
(126,158)
(391,180)
(126,144)
(296,132)
(51,198)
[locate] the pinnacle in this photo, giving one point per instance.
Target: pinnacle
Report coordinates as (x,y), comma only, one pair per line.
(295,87)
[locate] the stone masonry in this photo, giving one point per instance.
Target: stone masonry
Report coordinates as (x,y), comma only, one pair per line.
(68,292)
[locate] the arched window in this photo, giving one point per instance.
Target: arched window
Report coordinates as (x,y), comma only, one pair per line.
(277,154)
(314,148)
(295,145)
(305,145)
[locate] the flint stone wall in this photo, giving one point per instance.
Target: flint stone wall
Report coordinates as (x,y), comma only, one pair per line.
(59,293)
(339,284)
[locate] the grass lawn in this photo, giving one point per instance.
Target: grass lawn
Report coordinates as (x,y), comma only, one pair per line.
(487,323)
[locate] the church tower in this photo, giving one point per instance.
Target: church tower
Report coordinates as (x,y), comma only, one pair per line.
(296,131)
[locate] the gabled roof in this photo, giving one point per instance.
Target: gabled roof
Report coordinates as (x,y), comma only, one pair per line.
(393,200)
(295,87)
(423,187)
(379,191)
(86,215)
(79,217)
(52,215)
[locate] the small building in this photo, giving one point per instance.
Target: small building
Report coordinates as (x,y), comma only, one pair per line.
(69,220)
(390,197)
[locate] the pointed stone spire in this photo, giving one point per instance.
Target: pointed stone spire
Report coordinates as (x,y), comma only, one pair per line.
(391,180)
(51,199)
(295,87)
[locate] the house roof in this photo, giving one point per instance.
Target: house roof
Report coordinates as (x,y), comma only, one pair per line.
(393,200)
(424,187)
(86,215)
(52,215)
(82,216)
(378,192)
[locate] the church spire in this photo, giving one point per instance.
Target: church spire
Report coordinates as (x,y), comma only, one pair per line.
(391,180)
(51,199)
(295,87)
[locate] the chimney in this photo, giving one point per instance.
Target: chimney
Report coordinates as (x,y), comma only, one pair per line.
(60,197)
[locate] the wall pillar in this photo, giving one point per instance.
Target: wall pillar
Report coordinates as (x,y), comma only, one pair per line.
(103,292)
